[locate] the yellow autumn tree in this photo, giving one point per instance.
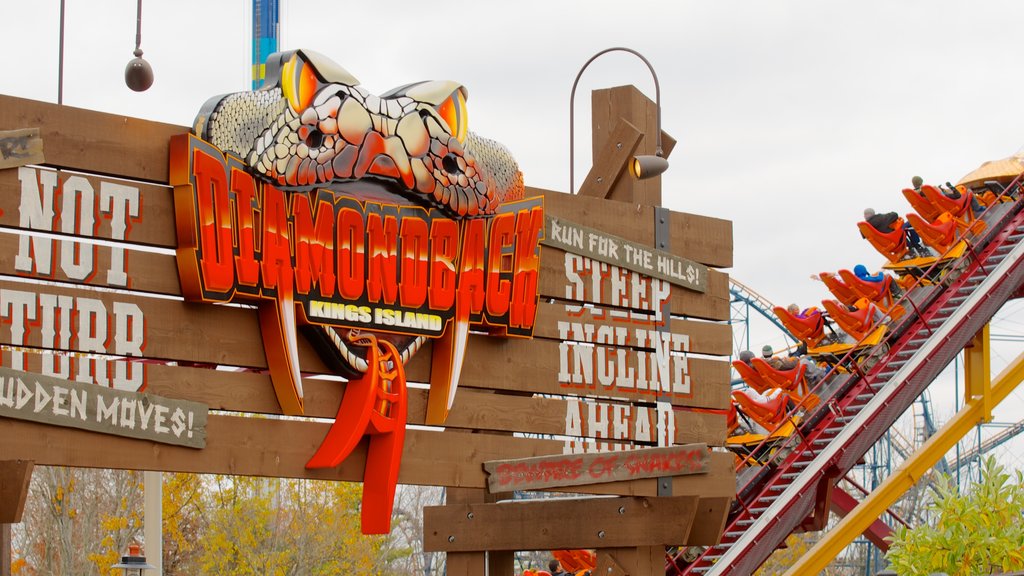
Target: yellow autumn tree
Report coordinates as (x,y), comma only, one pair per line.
(184,505)
(286,527)
(76,521)
(244,535)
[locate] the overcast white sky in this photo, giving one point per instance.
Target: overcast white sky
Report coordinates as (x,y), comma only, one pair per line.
(792,117)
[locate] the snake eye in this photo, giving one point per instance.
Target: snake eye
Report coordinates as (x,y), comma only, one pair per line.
(299,83)
(453,111)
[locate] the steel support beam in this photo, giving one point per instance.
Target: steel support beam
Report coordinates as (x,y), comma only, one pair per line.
(842,503)
(978,406)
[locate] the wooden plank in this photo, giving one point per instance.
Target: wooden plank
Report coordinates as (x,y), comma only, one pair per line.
(170,330)
(702,235)
(126,210)
(586,281)
(542,524)
(20,147)
(93,141)
(483,410)
(611,249)
(580,469)
(474,409)
(537,366)
(60,402)
(611,163)
(99,143)
(704,337)
(572,277)
(700,238)
(229,335)
(281,447)
(15,477)
(113,266)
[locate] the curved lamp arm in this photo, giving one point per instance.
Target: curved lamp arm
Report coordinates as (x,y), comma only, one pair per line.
(572,108)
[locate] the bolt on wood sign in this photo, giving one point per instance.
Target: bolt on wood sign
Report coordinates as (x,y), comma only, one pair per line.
(313,249)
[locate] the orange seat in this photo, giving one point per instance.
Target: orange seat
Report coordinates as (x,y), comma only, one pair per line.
(792,381)
(892,245)
(857,323)
(878,292)
(838,288)
(575,560)
(808,326)
(753,379)
(940,234)
(768,413)
(989,195)
(874,291)
(922,205)
(789,380)
(958,207)
(944,232)
(732,421)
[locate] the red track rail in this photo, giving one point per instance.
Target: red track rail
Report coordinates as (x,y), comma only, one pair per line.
(858,408)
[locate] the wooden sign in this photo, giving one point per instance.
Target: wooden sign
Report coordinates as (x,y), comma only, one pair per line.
(560,471)
(599,330)
(91,293)
(72,404)
(611,249)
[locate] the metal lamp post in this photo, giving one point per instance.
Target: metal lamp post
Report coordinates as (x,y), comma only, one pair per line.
(642,166)
(134,563)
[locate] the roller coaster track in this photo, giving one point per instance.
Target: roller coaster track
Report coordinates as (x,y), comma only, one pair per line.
(739,292)
(988,445)
(793,488)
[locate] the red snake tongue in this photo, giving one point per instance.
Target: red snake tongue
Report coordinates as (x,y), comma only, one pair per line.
(375,405)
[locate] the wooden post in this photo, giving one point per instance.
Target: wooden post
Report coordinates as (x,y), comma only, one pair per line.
(610,108)
(493,563)
(15,476)
(5,550)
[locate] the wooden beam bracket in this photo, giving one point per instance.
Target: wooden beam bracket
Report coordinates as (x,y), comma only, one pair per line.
(612,161)
(15,476)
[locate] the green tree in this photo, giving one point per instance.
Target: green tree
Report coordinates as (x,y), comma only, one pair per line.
(980,531)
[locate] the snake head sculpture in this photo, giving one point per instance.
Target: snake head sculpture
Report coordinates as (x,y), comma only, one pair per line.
(312,125)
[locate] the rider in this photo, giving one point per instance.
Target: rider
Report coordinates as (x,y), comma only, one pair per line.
(883,223)
(861,272)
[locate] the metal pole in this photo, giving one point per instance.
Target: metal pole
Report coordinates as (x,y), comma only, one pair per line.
(152,520)
(572,107)
(60,58)
(956,403)
(138,27)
